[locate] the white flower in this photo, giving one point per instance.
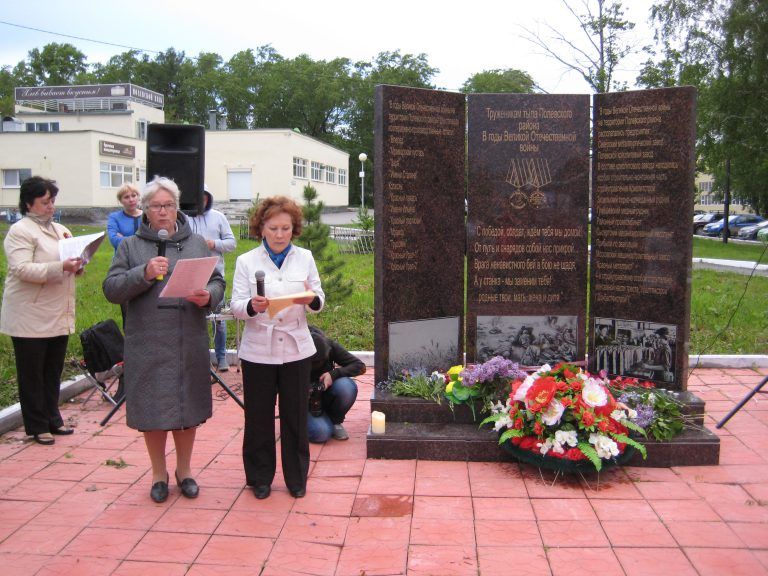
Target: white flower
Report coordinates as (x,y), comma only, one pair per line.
(553,413)
(624,414)
(437,377)
(566,437)
(523,389)
(605,446)
(545,447)
(594,394)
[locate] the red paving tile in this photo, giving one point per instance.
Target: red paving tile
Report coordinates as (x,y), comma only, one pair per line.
(64,510)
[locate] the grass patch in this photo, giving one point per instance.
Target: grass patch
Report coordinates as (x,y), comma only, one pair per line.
(714,248)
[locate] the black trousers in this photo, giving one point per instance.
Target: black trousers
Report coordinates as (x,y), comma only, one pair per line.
(39,362)
(262,385)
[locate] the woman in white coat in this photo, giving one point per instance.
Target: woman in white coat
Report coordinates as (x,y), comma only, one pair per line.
(276,351)
(39,307)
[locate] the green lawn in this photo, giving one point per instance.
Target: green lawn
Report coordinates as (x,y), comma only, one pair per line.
(714,300)
(714,248)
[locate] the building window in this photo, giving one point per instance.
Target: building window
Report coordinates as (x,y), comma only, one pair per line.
(317,171)
(14,177)
(342,177)
(299,167)
(114,175)
(330,175)
(141,129)
(705,186)
(42,126)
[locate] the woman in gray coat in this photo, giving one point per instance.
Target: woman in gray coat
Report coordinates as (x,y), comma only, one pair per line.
(167,382)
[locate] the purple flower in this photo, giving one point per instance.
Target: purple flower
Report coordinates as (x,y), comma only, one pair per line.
(496,367)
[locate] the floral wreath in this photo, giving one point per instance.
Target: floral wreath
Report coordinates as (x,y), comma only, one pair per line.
(566,414)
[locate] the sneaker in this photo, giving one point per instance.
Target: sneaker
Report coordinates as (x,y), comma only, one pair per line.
(223,365)
(339,433)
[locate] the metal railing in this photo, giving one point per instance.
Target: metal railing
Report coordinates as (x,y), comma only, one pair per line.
(352,240)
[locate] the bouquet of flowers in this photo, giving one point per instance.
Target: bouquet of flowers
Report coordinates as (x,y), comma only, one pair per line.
(564,417)
(486,382)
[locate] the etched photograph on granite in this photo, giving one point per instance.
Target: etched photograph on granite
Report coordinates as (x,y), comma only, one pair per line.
(643,350)
(528,340)
(426,345)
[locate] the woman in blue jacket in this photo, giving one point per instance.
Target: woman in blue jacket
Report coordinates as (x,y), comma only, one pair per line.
(125,222)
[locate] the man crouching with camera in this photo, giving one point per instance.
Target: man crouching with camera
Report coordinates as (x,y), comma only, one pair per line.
(332,391)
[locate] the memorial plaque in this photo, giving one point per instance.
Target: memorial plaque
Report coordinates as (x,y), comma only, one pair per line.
(641,234)
(527,227)
(419,229)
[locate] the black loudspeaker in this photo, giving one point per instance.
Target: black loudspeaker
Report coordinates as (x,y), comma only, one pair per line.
(177,151)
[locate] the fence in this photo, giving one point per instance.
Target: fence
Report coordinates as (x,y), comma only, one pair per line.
(352,240)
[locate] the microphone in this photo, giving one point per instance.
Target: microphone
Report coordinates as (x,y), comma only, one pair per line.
(260,282)
(162,234)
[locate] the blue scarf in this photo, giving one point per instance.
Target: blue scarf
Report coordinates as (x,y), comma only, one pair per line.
(278,259)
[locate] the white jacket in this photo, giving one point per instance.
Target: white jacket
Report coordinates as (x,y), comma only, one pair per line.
(39,297)
(286,337)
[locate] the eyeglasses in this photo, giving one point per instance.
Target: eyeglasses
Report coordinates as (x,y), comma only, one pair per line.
(159,207)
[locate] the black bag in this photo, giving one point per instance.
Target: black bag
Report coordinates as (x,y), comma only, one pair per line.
(102,346)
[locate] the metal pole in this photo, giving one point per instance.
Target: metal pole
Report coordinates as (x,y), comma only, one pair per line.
(362,185)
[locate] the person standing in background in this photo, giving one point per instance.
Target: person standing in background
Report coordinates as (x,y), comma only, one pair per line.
(214,227)
(38,310)
(125,222)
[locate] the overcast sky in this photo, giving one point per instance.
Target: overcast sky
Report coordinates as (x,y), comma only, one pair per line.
(459,38)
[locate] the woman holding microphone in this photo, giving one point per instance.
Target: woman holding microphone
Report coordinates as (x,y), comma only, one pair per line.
(276,351)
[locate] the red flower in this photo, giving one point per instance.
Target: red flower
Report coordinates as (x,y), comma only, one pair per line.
(574,454)
(604,425)
(576,385)
(587,418)
(518,425)
(565,401)
(528,442)
(541,393)
(568,374)
(538,428)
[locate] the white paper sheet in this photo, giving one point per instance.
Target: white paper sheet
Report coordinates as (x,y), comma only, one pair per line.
(189,275)
(80,246)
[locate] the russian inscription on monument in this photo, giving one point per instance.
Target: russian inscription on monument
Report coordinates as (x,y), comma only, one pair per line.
(641,236)
(527,227)
(419,228)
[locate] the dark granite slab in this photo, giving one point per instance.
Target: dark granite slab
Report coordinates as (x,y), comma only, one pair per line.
(642,197)
(528,165)
(691,448)
(408,409)
(419,228)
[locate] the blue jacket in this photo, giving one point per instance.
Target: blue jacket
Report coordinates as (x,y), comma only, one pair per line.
(120,226)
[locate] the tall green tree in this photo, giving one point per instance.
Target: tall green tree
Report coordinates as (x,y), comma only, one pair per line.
(600,48)
(497,81)
(57,64)
(725,43)
(315,237)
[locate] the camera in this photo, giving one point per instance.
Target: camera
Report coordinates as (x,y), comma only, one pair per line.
(316,398)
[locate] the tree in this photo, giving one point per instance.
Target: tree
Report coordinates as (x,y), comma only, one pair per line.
(57,65)
(315,237)
(722,46)
(497,81)
(597,57)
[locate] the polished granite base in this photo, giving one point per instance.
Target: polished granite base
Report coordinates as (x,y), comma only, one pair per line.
(424,430)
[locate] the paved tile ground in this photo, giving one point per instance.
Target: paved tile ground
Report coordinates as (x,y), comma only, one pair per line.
(82,507)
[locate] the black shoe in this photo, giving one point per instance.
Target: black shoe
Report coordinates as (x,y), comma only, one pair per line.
(262,491)
(45,439)
(63,431)
(189,487)
(300,493)
(159,491)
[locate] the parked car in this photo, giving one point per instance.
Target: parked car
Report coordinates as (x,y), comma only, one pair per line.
(701,220)
(750,232)
(735,222)
(763,235)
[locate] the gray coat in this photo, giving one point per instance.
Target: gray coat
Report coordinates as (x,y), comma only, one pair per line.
(167,378)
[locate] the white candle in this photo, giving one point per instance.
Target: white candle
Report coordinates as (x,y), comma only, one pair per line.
(378,422)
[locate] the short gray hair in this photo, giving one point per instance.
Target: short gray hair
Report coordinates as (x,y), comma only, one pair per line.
(159,183)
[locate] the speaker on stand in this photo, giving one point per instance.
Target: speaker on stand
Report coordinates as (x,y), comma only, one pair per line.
(177,151)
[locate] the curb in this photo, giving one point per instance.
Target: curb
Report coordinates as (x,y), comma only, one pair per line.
(10,417)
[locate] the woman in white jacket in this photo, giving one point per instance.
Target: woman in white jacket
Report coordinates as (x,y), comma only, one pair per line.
(39,307)
(276,351)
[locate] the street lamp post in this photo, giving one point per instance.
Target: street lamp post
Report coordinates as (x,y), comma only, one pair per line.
(362,157)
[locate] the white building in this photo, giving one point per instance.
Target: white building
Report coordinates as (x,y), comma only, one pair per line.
(92,139)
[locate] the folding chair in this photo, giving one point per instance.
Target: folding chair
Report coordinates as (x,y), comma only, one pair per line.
(103,360)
